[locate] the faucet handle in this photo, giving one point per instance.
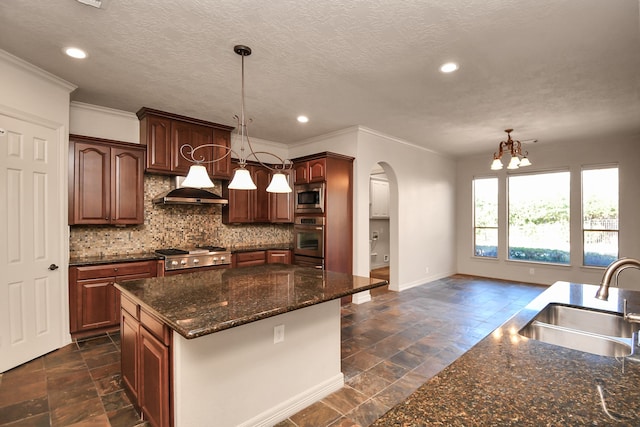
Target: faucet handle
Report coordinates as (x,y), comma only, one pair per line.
(630,317)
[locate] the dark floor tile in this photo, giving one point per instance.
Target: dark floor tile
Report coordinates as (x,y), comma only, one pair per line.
(316,415)
(344,422)
(407,359)
(103,359)
(98,351)
(105,371)
(25,409)
(388,370)
(115,401)
(63,356)
(60,381)
(285,423)
(72,396)
(368,384)
(98,421)
(108,385)
(125,417)
(22,391)
(362,360)
(76,411)
(28,367)
(368,412)
(40,420)
(345,399)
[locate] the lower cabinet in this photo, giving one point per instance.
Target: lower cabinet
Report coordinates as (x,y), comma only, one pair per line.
(271,256)
(146,363)
(94,303)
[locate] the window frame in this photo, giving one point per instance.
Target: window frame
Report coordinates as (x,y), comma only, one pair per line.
(508,214)
(473,217)
(583,230)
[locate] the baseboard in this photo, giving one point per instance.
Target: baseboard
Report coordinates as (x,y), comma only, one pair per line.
(420,282)
(296,404)
(361,297)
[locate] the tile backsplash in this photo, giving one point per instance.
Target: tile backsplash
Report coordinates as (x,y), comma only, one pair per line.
(172,226)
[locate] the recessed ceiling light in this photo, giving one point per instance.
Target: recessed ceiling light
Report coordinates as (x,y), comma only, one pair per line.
(303,119)
(75,52)
(449,67)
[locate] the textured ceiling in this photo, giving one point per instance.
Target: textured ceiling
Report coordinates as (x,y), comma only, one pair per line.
(552,70)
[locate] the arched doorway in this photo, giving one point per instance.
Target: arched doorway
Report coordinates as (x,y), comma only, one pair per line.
(379,226)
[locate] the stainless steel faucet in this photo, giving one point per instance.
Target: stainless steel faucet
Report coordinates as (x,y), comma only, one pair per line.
(612,272)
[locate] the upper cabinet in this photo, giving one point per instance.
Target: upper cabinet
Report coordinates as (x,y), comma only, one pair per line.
(165,133)
(379,196)
(258,206)
(314,170)
(106,181)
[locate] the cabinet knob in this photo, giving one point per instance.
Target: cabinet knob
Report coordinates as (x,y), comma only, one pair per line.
(115,269)
(53,267)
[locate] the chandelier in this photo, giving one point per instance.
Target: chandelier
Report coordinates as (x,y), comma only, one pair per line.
(198,176)
(519,158)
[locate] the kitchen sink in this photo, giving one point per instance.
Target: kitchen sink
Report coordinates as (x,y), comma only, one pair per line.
(597,332)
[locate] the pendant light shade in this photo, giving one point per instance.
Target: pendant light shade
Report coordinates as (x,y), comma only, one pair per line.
(279,184)
(198,178)
(242,180)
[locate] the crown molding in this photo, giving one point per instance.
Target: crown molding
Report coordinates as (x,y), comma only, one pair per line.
(37,71)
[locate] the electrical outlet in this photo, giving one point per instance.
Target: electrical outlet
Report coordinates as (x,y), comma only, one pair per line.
(532,271)
(386,258)
(374,235)
(426,270)
(278,334)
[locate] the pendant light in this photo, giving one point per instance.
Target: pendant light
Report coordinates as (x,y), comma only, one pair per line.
(198,176)
(519,158)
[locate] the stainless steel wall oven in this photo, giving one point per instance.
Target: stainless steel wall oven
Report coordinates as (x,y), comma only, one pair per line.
(308,237)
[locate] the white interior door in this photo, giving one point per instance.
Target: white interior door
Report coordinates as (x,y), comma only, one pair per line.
(32,293)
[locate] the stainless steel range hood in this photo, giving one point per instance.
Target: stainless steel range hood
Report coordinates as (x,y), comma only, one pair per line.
(188,196)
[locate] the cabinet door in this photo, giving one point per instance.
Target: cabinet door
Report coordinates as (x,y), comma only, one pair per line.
(153,392)
(317,170)
(248,259)
(127,186)
(96,304)
(195,136)
(261,177)
(221,169)
(91,184)
(158,140)
(300,173)
(240,208)
(379,199)
(281,204)
(129,350)
(276,256)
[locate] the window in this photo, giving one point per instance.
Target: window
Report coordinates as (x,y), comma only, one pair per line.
(600,216)
(539,217)
(485,217)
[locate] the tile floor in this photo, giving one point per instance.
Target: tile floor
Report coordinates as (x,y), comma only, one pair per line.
(390,346)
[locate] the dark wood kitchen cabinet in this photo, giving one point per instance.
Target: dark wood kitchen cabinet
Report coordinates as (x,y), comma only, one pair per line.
(106,181)
(257,206)
(307,171)
(165,133)
(146,362)
(94,303)
(249,259)
(278,256)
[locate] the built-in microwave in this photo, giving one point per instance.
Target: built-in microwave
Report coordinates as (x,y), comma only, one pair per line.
(309,198)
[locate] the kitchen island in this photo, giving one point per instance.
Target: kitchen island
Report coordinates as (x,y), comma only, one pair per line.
(233,347)
(507,379)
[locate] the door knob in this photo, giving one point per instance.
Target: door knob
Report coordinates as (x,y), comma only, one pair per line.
(53,267)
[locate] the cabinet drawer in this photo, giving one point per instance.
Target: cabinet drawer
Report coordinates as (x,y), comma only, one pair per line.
(155,326)
(120,269)
(278,256)
(243,257)
(129,306)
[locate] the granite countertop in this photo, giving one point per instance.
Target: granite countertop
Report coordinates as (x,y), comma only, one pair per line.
(507,379)
(201,303)
(110,259)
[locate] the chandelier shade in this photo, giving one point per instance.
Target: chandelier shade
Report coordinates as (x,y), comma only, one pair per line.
(242,177)
(519,158)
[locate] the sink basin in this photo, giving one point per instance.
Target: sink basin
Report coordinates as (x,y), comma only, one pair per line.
(597,332)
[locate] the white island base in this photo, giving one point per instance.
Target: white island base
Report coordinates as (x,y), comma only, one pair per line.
(240,377)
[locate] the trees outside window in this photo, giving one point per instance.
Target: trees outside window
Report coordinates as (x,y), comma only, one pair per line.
(600,216)
(485,217)
(539,215)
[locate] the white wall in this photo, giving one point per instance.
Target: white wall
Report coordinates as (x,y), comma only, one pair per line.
(422,186)
(547,157)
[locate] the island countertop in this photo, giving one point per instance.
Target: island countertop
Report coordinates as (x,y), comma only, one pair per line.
(507,379)
(201,303)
